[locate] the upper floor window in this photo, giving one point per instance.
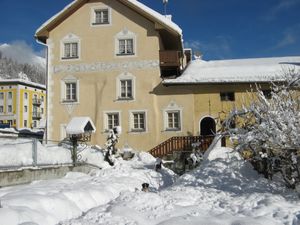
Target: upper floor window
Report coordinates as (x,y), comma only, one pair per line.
(70,47)
(70,90)
(25,95)
(125,42)
(101,16)
(9,96)
(126,47)
(1,95)
(70,50)
(125,86)
(25,108)
(227,96)
(1,108)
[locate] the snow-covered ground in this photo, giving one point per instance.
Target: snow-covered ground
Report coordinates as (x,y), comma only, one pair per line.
(223,190)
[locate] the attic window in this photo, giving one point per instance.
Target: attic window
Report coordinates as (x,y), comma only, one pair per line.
(100,16)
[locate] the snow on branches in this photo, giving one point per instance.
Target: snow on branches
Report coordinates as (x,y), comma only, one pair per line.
(271,120)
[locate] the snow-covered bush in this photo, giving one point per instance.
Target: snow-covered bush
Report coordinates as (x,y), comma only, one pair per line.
(270,124)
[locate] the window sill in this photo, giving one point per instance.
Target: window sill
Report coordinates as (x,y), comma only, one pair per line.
(172,129)
(125,99)
(69,58)
(99,24)
(69,102)
(138,131)
(126,54)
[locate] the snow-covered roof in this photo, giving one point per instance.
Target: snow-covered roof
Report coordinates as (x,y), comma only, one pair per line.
(164,20)
(80,125)
(22,82)
(236,70)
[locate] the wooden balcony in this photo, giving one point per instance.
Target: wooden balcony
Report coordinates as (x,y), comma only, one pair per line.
(169,58)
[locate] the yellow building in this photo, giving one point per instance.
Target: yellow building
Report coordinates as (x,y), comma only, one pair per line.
(22,103)
(120,63)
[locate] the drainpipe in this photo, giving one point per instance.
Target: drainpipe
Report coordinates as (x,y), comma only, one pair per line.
(46,83)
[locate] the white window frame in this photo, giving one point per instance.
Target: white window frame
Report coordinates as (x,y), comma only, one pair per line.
(123,77)
(1,95)
(173,127)
(64,82)
(131,121)
(1,109)
(25,123)
(25,95)
(93,16)
(25,108)
(70,39)
(125,34)
(106,117)
(173,108)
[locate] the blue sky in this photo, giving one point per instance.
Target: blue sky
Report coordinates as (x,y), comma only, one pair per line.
(220,29)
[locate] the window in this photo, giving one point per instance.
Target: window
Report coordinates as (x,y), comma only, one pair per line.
(71,92)
(1,95)
(9,95)
(267,94)
(9,108)
(25,108)
(227,96)
(113,120)
(101,16)
(42,110)
(173,120)
(34,123)
(126,89)
(1,108)
(125,43)
(25,123)
(125,86)
(70,50)
(26,95)
(139,122)
(42,97)
(126,47)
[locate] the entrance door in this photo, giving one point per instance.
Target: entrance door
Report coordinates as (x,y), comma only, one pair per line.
(207,126)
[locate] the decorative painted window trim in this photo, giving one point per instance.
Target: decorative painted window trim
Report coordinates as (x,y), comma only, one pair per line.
(134,130)
(63,93)
(63,132)
(106,116)
(126,35)
(172,108)
(125,77)
(93,21)
(70,39)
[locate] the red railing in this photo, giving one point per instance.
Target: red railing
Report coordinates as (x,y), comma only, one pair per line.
(181,143)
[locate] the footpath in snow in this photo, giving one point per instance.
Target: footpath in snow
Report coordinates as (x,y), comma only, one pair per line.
(223,190)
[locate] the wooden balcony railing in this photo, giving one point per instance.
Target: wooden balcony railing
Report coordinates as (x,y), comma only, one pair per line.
(181,143)
(169,58)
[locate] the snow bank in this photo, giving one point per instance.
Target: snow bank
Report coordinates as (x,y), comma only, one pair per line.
(224,190)
(50,201)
